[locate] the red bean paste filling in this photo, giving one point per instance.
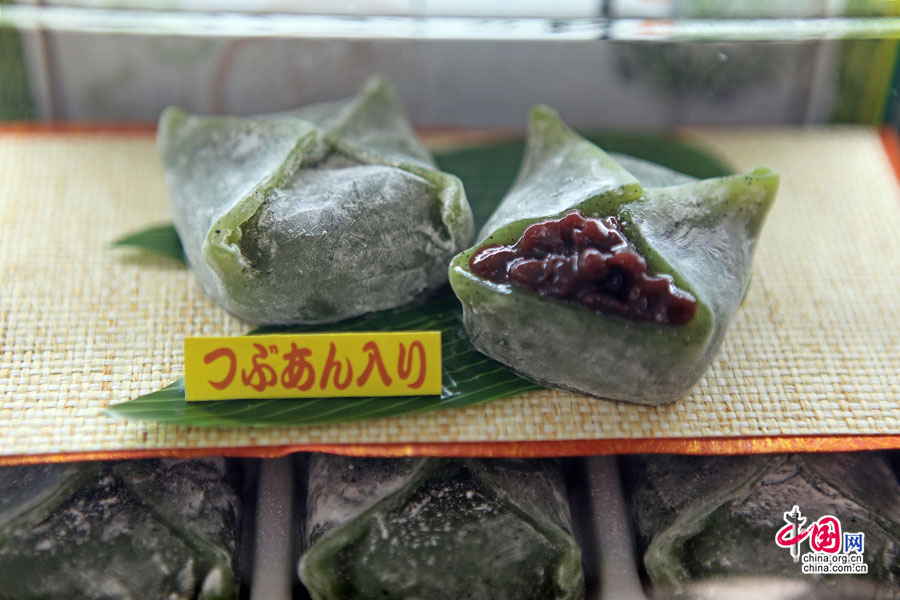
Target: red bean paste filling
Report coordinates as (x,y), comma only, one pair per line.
(586,261)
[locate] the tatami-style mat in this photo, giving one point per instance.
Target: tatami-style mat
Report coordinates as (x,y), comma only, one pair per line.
(814,350)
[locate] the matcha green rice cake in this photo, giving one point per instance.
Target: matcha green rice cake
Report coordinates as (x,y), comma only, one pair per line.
(314,215)
(438,529)
(609,275)
(711,518)
(139,529)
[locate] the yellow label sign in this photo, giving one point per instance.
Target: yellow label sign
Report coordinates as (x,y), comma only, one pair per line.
(313,365)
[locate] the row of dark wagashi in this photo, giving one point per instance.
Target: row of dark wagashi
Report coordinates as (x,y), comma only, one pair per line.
(337,209)
(441,529)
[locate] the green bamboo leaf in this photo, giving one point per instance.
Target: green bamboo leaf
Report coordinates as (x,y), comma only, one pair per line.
(668,151)
(468,376)
(161,239)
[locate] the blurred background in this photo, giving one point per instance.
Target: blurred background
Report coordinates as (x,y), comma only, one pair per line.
(601,63)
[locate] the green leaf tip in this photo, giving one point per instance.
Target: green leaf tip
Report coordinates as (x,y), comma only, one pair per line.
(161,240)
(469,378)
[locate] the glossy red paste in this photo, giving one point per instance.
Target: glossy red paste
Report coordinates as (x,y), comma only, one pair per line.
(586,261)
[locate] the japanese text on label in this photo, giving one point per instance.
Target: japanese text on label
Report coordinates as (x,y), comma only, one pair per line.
(313,365)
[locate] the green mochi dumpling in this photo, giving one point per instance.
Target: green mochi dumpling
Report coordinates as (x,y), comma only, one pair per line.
(117,531)
(707,518)
(694,236)
(314,215)
(438,529)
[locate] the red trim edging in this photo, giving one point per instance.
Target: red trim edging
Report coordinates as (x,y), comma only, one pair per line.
(521,449)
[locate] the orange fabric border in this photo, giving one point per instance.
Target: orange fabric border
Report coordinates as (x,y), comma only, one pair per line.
(126,128)
(147,128)
(891,142)
(541,449)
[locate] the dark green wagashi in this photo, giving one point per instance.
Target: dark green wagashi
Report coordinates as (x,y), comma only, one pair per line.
(137,529)
(438,529)
(702,518)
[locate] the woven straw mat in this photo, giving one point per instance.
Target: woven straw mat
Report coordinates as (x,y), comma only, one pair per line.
(814,349)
